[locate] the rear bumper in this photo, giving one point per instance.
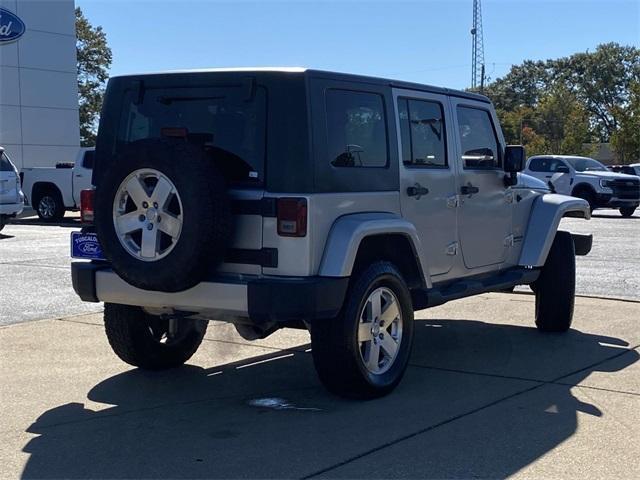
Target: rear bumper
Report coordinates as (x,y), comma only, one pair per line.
(11,209)
(261,299)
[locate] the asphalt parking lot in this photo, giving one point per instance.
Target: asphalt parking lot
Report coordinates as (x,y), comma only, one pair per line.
(36,284)
(485,396)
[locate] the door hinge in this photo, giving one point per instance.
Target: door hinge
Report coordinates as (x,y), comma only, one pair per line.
(452,249)
(453,201)
(509,241)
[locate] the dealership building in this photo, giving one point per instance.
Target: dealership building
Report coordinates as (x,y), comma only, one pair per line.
(39,124)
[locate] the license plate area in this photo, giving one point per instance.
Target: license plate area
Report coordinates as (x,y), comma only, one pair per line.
(86,246)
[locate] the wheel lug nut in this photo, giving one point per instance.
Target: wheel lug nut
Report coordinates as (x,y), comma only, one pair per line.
(145,205)
(158,219)
(381,336)
(150,226)
(142,218)
(155,204)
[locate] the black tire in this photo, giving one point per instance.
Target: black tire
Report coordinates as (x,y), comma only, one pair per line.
(49,205)
(3,222)
(206,215)
(335,348)
(627,211)
(136,337)
(556,287)
(586,194)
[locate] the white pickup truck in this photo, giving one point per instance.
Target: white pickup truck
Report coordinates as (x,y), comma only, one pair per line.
(588,179)
(52,191)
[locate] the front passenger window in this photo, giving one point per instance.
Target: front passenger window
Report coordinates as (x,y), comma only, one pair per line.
(478,139)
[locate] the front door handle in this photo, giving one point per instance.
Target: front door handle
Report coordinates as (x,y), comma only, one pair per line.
(468,189)
(417,191)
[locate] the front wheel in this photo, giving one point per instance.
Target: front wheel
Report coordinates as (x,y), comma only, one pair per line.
(364,351)
(627,211)
(149,341)
(555,289)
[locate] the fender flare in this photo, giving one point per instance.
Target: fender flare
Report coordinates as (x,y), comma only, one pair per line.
(546,213)
(347,233)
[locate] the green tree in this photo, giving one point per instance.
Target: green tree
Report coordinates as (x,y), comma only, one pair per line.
(602,81)
(93,62)
(626,139)
(568,101)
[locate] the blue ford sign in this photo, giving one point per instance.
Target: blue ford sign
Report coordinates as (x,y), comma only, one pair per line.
(11,27)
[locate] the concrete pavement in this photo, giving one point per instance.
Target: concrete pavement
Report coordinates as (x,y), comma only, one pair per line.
(486,396)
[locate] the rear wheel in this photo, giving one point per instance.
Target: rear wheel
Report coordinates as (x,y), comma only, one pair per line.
(49,205)
(364,351)
(556,287)
(627,211)
(149,341)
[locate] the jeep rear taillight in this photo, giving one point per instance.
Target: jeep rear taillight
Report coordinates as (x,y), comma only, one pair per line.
(86,205)
(292,217)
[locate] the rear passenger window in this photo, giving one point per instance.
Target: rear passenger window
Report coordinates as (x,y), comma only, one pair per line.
(477,138)
(422,133)
(356,129)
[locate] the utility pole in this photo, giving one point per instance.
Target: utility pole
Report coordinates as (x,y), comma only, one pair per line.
(477,48)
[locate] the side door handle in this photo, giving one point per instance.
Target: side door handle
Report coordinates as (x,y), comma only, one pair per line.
(468,189)
(417,191)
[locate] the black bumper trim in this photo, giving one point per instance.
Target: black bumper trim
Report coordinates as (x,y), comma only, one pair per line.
(83,279)
(269,299)
(582,243)
(305,298)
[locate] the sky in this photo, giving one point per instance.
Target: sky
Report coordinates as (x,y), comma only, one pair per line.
(423,40)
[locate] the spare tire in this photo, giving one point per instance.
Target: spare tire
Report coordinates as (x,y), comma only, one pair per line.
(162,214)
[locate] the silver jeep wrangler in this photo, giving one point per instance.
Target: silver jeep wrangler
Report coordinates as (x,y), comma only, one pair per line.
(308,199)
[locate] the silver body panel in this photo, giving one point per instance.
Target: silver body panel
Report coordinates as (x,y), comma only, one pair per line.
(216,299)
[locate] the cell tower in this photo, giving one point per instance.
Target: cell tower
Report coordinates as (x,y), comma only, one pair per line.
(477,48)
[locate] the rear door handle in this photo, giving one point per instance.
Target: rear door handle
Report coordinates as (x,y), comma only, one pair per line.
(468,189)
(417,191)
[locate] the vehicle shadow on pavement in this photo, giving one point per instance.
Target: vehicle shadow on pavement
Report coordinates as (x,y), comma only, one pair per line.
(615,217)
(479,400)
(36,222)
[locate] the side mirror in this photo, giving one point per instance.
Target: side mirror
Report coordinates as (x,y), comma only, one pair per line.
(514,157)
(562,169)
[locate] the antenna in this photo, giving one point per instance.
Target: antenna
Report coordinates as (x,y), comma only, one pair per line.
(477,48)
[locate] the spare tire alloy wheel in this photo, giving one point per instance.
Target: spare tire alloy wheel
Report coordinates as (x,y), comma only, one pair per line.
(147,215)
(380,331)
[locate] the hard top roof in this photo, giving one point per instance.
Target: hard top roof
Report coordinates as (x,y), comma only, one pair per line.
(327,75)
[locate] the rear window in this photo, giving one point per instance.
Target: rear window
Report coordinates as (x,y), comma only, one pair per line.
(5,164)
(227,122)
(356,129)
